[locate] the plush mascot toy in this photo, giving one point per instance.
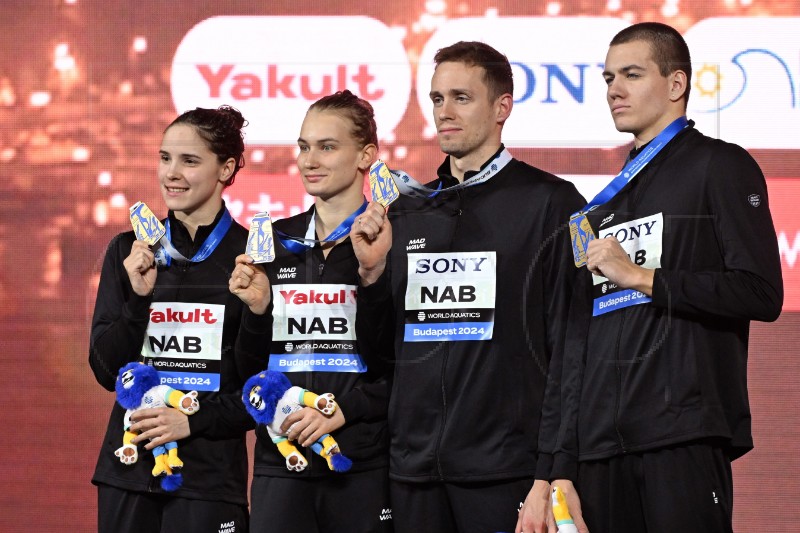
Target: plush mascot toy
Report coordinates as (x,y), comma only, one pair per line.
(269,398)
(138,388)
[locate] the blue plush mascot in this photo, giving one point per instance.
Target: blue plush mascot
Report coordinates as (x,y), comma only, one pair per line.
(269,398)
(138,388)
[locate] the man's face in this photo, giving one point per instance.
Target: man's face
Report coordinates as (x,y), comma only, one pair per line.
(466,118)
(638,95)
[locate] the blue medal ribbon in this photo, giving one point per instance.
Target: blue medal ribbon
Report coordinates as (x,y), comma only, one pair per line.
(168,252)
(298,245)
(636,165)
(579,228)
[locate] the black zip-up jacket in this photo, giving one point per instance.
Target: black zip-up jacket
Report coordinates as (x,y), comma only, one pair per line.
(469,410)
(675,370)
(215,454)
(363,397)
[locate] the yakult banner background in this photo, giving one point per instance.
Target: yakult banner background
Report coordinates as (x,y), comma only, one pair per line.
(88,86)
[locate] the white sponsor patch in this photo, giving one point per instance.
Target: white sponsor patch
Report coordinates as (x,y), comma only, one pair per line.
(319,311)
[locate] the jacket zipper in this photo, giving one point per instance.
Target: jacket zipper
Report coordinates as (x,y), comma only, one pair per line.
(457,213)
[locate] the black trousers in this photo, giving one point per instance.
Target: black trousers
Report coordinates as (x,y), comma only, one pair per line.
(686,488)
(479,507)
(338,503)
(122,511)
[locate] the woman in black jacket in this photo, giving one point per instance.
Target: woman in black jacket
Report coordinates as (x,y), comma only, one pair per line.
(170,307)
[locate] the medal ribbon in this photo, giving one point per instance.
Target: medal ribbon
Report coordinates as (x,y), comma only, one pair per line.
(636,165)
(411,187)
(299,245)
(168,252)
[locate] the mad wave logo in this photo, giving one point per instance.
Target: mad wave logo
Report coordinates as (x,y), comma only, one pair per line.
(270,68)
(287,273)
(416,244)
(386,514)
(227,527)
(740,63)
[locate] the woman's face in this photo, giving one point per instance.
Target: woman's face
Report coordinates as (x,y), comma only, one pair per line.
(190,175)
(331,161)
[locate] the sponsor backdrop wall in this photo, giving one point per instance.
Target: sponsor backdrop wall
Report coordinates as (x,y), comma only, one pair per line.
(87,87)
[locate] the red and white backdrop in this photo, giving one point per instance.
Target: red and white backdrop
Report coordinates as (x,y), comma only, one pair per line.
(87,87)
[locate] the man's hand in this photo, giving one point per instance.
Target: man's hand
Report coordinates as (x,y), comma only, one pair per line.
(141,268)
(250,283)
(606,257)
(371,236)
(536,514)
(573,503)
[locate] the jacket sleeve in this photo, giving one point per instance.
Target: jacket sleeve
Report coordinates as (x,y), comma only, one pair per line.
(375,333)
(370,400)
(564,443)
(221,417)
(253,342)
(120,318)
(749,285)
(559,280)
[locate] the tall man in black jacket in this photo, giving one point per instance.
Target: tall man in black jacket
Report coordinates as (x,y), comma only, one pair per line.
(471,285)
(656,404)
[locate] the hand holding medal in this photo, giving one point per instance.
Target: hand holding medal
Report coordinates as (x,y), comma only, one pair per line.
(248,281)
(140,264)
(371,233)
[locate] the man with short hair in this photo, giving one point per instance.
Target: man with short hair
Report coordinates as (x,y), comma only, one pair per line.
(685,257)
(469,281)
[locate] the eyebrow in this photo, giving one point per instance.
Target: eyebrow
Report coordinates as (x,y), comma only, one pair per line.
(624,69)
(455,90)
(185,154)
(319,141)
